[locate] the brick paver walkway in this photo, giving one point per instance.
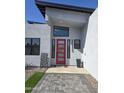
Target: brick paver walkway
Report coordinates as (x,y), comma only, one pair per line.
(64,83)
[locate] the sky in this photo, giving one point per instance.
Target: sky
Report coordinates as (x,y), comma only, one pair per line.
(33,14)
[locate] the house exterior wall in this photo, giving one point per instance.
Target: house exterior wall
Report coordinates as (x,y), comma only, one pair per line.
(71,19)
(91,48)
(43,32)
(88,37)
(74,33)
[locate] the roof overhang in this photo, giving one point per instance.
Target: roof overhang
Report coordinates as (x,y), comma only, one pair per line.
(42,4)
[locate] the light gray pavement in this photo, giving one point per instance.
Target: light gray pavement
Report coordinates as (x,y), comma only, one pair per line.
(64,83)
(68,69)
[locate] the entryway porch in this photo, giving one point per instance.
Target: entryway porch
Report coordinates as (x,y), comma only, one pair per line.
(67,69)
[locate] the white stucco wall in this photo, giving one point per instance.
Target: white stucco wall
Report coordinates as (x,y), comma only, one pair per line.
(73,20)
(43,32)
(90,55)
(68,17)
(74,33)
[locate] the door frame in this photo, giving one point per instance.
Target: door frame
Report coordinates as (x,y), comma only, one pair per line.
(57,63)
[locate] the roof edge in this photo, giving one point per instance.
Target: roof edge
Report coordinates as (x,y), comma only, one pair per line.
(34,22)
(64,6)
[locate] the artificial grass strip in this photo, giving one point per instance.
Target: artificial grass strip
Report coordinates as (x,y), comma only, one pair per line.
(32,81)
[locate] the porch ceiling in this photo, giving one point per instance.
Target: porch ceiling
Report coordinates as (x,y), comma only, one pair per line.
(67,18)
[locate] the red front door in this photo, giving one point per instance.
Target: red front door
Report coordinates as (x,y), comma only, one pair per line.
(61,51)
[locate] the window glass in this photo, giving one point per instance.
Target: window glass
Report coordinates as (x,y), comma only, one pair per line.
(68,48)
(60,50)
(53,48)
(61,46)
(35,46)
(60,59)
(61,31)
(35,41)
(32,46)
(60,54)
(77,44)
(27,41)
(27,46)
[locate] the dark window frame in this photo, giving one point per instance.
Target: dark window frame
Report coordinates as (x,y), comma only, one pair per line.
(77,46)
(68,48)
(32,47)
(60,27)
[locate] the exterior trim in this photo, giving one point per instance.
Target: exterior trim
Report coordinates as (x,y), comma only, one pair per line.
(42,4)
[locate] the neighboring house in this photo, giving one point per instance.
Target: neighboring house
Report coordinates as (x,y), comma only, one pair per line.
(69,33)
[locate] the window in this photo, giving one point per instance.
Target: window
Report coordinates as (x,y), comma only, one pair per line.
(27,46)
(68,48)
(77,44)
(61,31)
(32,46)
(53,48)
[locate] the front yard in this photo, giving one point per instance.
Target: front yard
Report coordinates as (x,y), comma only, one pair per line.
(56,81)
(32,81)
(32,77)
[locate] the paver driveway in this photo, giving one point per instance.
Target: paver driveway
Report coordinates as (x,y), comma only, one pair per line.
(64,83)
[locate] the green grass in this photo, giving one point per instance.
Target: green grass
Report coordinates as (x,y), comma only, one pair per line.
(32,81)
